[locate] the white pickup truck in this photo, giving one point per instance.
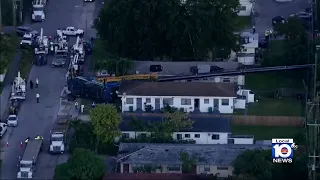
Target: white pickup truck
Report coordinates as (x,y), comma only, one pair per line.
(70,31)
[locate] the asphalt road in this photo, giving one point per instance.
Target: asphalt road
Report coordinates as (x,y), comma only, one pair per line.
(38,118)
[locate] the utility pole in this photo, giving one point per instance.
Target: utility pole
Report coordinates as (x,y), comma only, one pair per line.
(0,17)
(313,125)
(14,15)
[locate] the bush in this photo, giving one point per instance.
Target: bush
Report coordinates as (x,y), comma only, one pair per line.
(149,139)
(9,45)
(84,137)
(61,172)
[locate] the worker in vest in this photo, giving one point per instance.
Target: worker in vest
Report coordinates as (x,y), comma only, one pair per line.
(266,34)
(37,96)
(27,140)
(93,104)
(37,83)
(38,137)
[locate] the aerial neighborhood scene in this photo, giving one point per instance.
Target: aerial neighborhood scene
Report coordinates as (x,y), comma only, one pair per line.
(160,89)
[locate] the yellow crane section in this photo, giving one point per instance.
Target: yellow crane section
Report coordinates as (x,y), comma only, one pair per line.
(129,77)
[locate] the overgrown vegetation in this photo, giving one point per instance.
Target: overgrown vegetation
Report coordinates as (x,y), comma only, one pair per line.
(257,165)
(9,45)
(145,30)
(83,164)
(26,62)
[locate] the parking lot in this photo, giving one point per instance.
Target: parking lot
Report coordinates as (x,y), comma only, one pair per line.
(265,10)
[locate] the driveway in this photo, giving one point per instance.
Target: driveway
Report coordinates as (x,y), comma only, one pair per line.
(265,10)
(37,119)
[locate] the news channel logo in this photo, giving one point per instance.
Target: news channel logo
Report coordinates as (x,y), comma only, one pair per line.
(282,150)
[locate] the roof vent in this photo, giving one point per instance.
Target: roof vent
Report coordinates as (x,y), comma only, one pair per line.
(167,150)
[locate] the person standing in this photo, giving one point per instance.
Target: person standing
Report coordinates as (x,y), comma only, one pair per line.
(37,96)
(37,83)
(31,84)
(76,105)
(254,29)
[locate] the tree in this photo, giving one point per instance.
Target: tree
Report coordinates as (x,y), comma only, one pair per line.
(188,162)
(178,121)
(253,164)
(137,125)
(105,120)
(84,164)
(189,30)
(61,171)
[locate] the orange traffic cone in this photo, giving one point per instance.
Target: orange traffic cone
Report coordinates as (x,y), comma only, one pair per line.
(7,144)
(21,145)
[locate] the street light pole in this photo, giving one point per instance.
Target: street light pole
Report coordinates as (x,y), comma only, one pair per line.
(0,18)
(14,11)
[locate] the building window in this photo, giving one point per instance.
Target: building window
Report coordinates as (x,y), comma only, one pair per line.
(222,168)
(148,100)
(242,8)
(187,135)
(185,101)
(197,136)
(226,80)
(143,135)
(179,136)
(125,135)
(215,136)
(206,101)
(225,102)
(168,101)
(129,100)
(204,168)
(173,167)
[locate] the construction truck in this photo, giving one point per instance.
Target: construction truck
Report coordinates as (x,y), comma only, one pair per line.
(58,135)
(42,44)
(38,7)
(18,90)
(60,54)
(27,164)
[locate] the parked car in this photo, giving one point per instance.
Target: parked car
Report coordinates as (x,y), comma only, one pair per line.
(278,20)
(155,68)
(22,30)
(3,129)
(12,120)
(102,73)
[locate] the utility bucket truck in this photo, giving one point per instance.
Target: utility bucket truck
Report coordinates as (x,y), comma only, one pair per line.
(59,134)
(27,164)
(38,10)
(42,44)
(18,89)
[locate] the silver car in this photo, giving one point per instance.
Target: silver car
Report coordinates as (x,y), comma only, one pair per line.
(12,120)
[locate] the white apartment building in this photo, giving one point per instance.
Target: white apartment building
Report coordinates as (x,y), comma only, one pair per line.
(246,8)
(186,96)
(205,130)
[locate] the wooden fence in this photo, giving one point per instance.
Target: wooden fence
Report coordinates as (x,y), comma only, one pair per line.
(241,119)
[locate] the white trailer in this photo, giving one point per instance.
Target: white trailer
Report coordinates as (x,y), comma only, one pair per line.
(27,164)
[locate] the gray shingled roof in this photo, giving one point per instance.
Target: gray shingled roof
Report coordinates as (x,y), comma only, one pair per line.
(178,89)
(180,68)
(222,155)
(201,124)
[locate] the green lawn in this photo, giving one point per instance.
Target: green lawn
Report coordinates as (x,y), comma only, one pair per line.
(267,132)
(274,107)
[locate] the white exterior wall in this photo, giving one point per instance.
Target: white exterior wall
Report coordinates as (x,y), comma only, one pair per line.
(243,140)
(249,48)
(221,79)
(246,60)
(205,137)
(239,104)
(226,109)
(248,8)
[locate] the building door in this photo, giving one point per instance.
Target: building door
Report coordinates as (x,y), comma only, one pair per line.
(139,103)
(125,168)
(179,136)
(196,103)
(157,104)
(216,104)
